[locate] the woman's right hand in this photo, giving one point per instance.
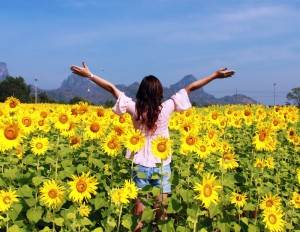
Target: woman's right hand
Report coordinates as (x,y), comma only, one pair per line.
(81,71)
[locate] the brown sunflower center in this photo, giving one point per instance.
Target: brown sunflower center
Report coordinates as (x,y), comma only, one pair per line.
(202,148)
(269,203)
(247,113)
(44,114)
(41,123)
(7,200)
(26,121)
(100,112)
(53,193)
(190,140)
(74,140)
(262,136)
(272,219)
(207,190)
(95,127)
(121,119)
(227,159)
(63,118)
(11,132)
(134,140)
(275,122)
(162,147)
(186,128)
(39,145)
(112,144)
(13,104)
(238,198)
(214,116)
(81,186)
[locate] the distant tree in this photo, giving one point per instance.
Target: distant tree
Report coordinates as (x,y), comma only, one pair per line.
(294,96)
(14,87)
(109,103)
(44,98)
(77,99)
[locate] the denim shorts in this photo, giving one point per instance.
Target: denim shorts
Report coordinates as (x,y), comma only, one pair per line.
(142,182)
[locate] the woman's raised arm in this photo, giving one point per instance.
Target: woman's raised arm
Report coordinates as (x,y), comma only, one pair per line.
(219,74)
(85,72)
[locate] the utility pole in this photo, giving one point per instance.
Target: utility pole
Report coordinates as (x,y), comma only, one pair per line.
(274,94)
(35,83)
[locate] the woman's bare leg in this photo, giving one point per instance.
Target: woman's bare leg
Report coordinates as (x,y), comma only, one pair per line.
(138,211)
(159,207)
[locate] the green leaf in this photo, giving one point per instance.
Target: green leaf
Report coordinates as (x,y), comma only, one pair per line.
(16,208)
(100,202)
(166,225)
(141,175)
(12,173)
(148,214)
(99,229)
(59,221)
(34,214)
(223,226)
(24,191)
(37,180)
(85,221)
(31,201)
(14,228)
(127,221)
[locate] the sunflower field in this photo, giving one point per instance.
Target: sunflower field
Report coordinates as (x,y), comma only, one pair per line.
(63,168)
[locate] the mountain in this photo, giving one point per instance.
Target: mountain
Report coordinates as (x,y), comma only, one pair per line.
(82,87)
(76,86)
(3,71)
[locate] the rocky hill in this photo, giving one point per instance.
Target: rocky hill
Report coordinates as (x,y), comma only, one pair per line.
(75,86)
(82,87)
(3,71)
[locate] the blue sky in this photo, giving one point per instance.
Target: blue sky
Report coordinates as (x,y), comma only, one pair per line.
(125,40)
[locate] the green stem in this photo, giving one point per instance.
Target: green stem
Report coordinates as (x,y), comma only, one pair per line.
(196,221)
(119,220)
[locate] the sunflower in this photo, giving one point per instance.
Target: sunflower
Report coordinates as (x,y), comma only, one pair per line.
(238,199)
(298,175)
(134,140)
(75,142)
(215,117)
(265,139)
(208,190)
(112,145)
(62,118)
(84,210)
(161,147)
(43,124)
(295,200)
(119,196)
(269,162)
(269,202)
(95,128)
(82,187)
(291,133)
(11,134)
(203,150)
(7,198)
(12,103)
(130,189)
(189,140)
(259,163)
(39,145)
(228,161)
(199,167)
(273,220)
(27,121)
(52,194)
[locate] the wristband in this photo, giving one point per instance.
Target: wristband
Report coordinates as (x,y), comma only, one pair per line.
(91,77)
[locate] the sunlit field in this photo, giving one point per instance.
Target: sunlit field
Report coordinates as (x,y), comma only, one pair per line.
(63,168)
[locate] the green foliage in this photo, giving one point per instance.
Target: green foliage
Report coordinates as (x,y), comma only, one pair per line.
(294,96)
(14,87)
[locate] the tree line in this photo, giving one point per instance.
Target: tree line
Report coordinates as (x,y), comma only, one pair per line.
(16,87)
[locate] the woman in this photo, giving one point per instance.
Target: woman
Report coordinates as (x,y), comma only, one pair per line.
(150,115)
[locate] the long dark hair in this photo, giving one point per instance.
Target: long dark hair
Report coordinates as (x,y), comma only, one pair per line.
(148,102)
